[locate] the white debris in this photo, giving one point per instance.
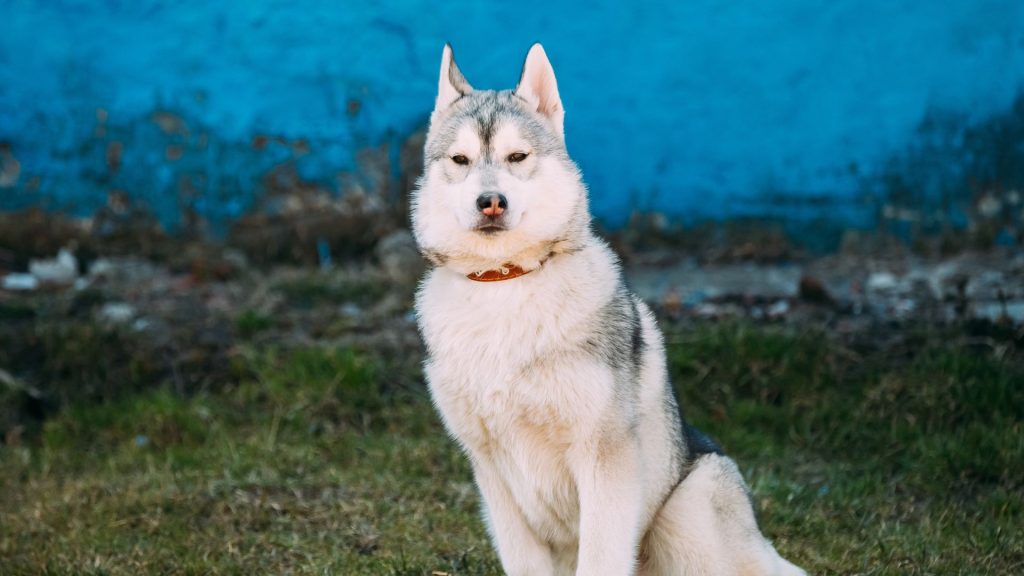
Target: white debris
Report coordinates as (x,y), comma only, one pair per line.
(778,309)
(117,312)
(706,310)
(122,270)
(101,268)
(60,270)
(882,282)
(904,307)
(20,282)
(997,310)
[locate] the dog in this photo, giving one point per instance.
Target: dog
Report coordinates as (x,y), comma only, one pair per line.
(546,370)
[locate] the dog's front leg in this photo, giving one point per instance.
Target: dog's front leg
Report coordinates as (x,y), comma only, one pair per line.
(609,481)
(521,552)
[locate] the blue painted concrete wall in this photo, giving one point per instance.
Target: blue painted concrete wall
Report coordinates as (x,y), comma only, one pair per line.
(707,108)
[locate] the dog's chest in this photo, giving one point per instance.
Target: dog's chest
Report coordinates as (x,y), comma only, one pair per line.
(518,417)
(509,374)
(495,399)
(501,368)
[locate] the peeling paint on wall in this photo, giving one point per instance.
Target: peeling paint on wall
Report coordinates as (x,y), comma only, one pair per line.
(786,109)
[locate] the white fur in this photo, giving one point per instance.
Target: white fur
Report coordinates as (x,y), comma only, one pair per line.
(539,207)
(576,465)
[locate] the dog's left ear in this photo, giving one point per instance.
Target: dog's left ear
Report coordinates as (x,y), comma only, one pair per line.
(538,87)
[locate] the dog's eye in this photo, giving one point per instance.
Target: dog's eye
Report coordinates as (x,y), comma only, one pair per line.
(460,159)
(517,157)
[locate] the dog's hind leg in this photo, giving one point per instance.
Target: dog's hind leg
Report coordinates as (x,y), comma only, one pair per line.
(707,528)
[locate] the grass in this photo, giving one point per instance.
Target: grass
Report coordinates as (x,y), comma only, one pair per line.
(895,459)
(312,290)
(903,460)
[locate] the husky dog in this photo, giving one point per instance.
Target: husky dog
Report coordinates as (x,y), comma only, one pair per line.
(548,372)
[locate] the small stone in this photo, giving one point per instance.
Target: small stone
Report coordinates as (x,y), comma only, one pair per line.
(351,310)
(20,282)
(904,307)
(60,270)
(778,309)
(117,312)
(706,310)
(882,281)
(813,290)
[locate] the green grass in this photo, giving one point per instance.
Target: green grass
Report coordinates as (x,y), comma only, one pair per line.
(311,289)
(903,459)
(250,323)
(898,461)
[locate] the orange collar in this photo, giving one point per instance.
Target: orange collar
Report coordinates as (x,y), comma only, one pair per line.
(506,272)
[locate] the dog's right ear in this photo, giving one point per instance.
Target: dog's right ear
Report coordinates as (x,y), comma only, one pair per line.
(452,84)
(538,87)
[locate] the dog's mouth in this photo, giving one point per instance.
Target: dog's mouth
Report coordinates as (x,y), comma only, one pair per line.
(490,227)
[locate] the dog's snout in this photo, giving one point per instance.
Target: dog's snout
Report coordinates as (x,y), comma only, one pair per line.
(492,203)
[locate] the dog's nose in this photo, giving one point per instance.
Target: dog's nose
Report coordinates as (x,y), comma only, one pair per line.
(491,203)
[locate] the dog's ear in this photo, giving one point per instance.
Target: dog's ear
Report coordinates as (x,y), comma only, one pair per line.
(452,84)
(538,87)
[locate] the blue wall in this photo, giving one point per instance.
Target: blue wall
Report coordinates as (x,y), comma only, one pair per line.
(706,108)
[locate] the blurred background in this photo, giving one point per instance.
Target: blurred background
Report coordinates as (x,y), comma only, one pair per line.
(207,354)
(839,114)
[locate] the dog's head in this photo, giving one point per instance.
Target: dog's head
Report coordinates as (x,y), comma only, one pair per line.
(498,185)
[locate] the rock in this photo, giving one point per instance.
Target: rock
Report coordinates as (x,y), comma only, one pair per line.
(778,309)
(904,307)
(123,271)
(400,258)
(62,270)
(712,310)
(236,258)
(351,310)
(813,290)
(34,233)
(20,282)
(672,303)
(697,284)
(116,312)
(1012,312)
(706,310)
(882,282)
